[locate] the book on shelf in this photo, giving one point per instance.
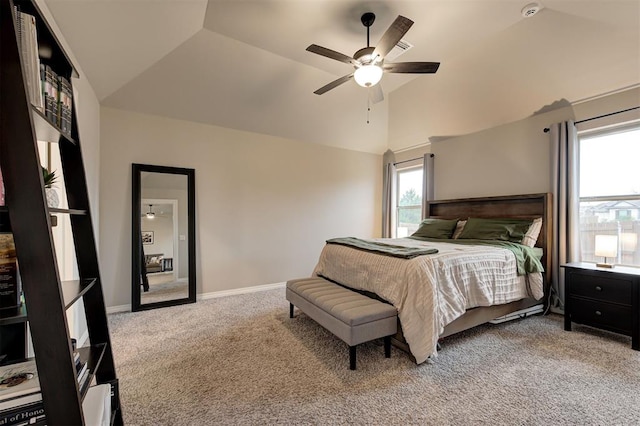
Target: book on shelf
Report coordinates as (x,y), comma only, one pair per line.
(9,280)
(49,92)
(28,46)
(65,101)
(18,381)
(2,203)
(28,414)
(97,405)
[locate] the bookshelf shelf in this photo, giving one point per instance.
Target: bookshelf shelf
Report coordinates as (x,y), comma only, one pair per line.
(46,130)
(13,316)
(93,356)
(73,290)
(67,211)
(24,60)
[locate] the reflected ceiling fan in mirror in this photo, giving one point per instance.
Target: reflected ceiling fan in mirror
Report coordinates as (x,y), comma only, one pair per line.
(369,61)
(150,214)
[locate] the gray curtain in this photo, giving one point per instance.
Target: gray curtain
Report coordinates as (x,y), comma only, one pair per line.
(388,195)
(565,181)
(427,182)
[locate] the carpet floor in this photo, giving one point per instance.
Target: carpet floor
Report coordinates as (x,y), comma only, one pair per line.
(240,360)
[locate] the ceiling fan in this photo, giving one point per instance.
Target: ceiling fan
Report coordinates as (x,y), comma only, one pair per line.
(152,214)
(369,61)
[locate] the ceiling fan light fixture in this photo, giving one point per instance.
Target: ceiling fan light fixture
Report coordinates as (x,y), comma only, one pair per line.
(368,75)
(150,213)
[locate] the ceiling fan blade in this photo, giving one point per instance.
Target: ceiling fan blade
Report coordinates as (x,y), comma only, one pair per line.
(334,84)
(332,54)
(412,67)
(376,93)
(392,36)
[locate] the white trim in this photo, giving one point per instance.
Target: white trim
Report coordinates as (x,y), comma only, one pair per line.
(237,291)
(118,308)
(409,148)
(212,295)
(602,95)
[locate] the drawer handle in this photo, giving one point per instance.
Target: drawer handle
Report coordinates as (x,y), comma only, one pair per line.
(598,313)
(598,288)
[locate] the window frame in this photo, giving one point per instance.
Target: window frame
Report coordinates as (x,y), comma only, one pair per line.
(594,133)
(398,195)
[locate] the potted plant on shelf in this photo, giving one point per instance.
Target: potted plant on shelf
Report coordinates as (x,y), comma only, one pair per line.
(49,179)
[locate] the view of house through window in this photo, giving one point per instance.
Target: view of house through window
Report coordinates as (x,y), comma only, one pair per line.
(610,194)
(409,202)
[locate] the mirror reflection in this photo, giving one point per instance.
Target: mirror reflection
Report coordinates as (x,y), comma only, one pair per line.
(162,224)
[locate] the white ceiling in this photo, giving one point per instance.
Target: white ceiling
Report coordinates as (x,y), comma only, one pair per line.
(243,65)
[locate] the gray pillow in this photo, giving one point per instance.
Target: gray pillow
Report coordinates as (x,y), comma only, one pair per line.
(436,228)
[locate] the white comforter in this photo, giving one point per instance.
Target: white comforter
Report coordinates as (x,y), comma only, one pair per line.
(433,290)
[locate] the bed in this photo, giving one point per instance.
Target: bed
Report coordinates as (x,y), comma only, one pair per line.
(432,291)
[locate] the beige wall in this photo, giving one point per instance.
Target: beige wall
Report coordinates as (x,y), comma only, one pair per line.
(514,158)
(505,160)
(265,205)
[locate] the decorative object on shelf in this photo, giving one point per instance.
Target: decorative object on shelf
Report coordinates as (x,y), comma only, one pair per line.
(53,200)
(606,246)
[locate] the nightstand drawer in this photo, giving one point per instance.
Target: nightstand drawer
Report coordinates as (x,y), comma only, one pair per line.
(609,289)
(609,316)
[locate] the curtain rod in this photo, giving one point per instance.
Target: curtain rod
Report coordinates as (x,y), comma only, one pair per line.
(411,159)
(546,129)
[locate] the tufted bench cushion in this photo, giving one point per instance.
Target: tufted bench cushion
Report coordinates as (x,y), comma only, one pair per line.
(350,316)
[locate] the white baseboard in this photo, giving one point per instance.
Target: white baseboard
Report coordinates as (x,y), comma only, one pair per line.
(119,308)
(211,295)
(244,290)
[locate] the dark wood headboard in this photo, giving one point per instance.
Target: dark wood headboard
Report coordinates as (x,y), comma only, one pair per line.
(513,206)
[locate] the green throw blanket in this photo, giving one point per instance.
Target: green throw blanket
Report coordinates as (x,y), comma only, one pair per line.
(527,258)
(382,248)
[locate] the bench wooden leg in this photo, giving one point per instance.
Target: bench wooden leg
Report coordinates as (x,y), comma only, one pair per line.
(352,357)
(387,347)
(290,310)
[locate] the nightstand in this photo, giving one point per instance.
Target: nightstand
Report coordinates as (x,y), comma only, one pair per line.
(608,299)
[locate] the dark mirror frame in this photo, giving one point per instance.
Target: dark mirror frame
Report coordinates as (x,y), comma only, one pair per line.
(136,237)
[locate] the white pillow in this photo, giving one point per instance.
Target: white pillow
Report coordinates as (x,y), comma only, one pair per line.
(459,227)
(531,236)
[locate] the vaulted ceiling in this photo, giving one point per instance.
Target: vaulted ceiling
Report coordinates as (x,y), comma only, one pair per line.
(243,65)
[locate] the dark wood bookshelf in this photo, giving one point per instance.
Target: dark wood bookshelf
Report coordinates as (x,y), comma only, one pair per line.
(46,296)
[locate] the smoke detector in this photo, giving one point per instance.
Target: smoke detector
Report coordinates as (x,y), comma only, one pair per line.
(531,9)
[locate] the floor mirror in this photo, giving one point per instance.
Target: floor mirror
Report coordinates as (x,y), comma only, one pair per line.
(163,237)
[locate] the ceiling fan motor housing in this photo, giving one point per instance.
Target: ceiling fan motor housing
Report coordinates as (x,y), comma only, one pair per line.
(364,56)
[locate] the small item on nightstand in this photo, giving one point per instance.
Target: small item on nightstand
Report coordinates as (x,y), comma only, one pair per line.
(606,246)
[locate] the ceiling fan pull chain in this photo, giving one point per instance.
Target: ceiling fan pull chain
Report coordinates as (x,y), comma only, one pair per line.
(368,103)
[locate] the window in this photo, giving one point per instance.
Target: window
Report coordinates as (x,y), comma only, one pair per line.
(409,202)
(610,192)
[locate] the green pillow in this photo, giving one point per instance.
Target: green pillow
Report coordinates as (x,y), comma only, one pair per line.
(496,229)
(436,228)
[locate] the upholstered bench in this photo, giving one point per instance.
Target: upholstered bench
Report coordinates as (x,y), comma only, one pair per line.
(350,316)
